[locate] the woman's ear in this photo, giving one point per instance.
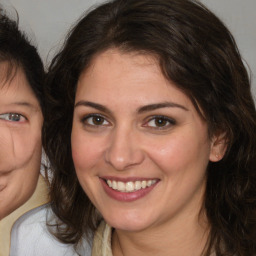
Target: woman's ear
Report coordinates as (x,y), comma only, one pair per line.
(218,147)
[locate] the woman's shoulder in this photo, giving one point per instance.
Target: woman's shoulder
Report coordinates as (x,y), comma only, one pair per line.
(35,217)
(30,236)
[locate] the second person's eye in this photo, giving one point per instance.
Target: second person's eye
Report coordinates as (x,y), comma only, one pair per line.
(12,117)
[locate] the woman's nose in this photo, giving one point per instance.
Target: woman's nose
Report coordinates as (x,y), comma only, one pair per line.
(123,149)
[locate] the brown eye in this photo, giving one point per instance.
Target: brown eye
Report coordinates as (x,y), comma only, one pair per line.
(160,122)
(95,120)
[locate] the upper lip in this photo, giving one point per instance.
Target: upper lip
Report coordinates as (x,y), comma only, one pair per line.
(126,179)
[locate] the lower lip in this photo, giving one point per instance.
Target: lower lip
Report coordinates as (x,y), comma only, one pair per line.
(126,196)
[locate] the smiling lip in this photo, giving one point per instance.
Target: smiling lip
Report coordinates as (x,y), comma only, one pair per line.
(128,196)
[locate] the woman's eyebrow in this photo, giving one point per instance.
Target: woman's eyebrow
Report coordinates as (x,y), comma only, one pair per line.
(155,106)
(93,105)
(140,110)
(24,104)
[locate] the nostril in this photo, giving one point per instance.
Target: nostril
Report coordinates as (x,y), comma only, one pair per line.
(123,151)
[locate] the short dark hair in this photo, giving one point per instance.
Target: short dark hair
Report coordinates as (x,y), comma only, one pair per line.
(18,52)
(197,52)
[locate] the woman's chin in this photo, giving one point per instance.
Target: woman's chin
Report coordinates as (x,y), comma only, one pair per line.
(128,224)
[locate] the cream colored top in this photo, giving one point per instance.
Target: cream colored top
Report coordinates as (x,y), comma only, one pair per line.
(39,197)
(102,241)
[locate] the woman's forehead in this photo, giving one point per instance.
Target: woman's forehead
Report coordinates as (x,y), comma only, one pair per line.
(8,70)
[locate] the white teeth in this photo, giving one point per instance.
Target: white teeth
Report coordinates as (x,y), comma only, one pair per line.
(114,184)
(137,185)
(130,186)
(109,183)
(120,186)
(143,184)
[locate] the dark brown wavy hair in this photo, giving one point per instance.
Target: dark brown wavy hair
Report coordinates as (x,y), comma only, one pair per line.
(195,51)
(18,52)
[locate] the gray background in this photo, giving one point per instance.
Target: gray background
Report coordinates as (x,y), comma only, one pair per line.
(47,22)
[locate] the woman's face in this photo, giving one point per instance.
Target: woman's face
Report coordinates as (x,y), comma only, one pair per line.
(20,139)
(139,146)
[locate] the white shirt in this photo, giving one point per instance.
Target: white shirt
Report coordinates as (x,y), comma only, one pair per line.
(30,237)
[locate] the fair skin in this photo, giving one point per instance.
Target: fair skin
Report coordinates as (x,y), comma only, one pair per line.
(20,135)
(137,132)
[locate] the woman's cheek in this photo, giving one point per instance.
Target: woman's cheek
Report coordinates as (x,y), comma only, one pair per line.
(7,156)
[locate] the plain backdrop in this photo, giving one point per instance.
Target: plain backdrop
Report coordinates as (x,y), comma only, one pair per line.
(47,22)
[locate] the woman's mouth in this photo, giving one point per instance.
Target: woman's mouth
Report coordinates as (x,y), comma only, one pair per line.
(128,190)
(130,186)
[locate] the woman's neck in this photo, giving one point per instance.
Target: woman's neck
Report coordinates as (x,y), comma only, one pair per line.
(169,239)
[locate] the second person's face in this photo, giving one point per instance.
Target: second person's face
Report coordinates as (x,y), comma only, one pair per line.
(139,146)
(20,141)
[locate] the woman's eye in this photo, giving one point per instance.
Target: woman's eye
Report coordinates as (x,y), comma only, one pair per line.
(95,121)
(160,122)
(12,117)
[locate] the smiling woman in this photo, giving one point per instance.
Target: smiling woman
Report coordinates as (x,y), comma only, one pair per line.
(21,120)
(138,145)
(150,130)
